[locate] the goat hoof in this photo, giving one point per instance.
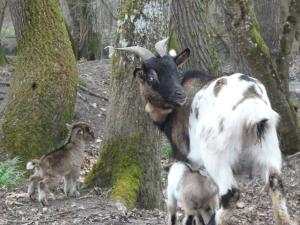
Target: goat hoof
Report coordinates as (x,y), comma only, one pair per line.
(44,202)
(31,197)
(77,194)
(275,183)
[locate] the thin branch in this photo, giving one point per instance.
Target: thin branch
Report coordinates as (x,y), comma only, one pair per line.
(91,92)
(293,156)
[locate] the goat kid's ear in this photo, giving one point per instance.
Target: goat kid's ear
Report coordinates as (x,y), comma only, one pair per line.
(182,57)
(138,72)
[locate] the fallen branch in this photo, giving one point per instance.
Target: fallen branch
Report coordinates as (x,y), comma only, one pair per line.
(293,156)
(81,97)
(91,92)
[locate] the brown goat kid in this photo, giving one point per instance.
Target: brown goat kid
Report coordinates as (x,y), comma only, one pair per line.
(63,162)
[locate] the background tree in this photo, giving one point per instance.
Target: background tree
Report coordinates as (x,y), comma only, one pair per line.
(244,36)
(3,6)
(130,156)
(42,94)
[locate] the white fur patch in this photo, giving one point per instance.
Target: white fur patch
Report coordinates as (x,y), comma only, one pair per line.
(172,53)
(29,166)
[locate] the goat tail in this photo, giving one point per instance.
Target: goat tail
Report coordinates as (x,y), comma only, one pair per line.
(32,164)
(261,120)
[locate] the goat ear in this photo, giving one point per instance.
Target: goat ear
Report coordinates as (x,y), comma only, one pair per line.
(182,57)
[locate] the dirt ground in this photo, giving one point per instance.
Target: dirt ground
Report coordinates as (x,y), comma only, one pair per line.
(93,207)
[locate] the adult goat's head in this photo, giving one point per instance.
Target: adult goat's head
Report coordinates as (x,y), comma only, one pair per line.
(160,84)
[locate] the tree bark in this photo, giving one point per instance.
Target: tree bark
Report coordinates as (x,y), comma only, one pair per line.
(190,28)
(3,6)
(42,93)
(130,157)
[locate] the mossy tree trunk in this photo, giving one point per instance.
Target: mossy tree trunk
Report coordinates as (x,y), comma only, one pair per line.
(3,6)
(42,93)
(226,36)
(130,157)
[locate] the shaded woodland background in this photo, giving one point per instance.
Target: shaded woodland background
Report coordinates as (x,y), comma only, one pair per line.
(43,43)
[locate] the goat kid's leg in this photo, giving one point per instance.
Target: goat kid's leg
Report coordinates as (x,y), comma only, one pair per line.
(277,193)
(230,194)
(33,182)
(43,189)
(188,219)
(74,189)
(67,184)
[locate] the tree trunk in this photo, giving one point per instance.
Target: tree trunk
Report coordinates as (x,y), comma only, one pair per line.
(190,28)
(3,6)
(130,157)
(42,93)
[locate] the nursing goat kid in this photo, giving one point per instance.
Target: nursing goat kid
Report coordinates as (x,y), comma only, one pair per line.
(213,122)
(197,193)
(63,162)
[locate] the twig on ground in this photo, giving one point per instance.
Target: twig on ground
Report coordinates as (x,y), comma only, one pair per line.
(293,156)
(81,97)
(91,92)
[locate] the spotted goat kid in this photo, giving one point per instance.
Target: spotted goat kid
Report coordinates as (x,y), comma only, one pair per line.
(213,122)
(63,162)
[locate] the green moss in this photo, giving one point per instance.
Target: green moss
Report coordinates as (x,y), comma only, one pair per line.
(119,67)
(119,168)
(3,59)
(42,95)
(255,34)
(94,43)
(252,15)
(259,41)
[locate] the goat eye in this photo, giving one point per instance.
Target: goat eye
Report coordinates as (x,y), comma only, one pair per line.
(152,77)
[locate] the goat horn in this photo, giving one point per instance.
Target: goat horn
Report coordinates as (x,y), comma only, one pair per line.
(161,47)
(139,51)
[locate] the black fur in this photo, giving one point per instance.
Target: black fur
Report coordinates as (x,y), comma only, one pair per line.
(167,127)
(230,197)
(201,219)
(212,220)
(190,74)
(261,129)
(189,220)
(173,219)
(247,78)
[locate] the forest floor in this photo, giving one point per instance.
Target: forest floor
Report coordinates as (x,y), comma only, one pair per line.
(93,206)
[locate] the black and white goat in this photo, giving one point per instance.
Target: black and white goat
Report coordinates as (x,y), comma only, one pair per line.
(197,193)
(213,122)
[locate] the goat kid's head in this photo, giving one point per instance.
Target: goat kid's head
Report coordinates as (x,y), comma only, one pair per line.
(81,131)
(160,84)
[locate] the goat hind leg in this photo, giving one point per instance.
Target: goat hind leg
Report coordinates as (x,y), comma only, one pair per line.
(276,190)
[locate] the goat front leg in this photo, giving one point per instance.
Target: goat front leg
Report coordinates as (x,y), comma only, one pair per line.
(277,193)
(33,182)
